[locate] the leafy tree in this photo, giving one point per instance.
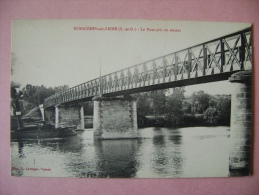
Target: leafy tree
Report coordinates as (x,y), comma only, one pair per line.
(158,102)
(36,94)
(143,103)
(213,102)
(219,110)
(174,109)
(200,102)
(224,110)
(211,116)
(187,107)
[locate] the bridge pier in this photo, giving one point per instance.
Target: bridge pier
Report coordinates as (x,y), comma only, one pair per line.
(49,116)
(65,116)
(241,122)
(69,116)
(42,111)
(57,124)
(115,118)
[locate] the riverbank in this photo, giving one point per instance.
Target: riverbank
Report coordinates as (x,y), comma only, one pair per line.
(187,120)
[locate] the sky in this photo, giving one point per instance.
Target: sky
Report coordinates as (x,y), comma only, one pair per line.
(53,53)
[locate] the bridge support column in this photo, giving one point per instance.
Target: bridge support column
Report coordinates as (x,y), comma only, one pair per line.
(69,116)
(56,117)
(82,117)
(241,122)
(42,111)
(49,116)
(115,118)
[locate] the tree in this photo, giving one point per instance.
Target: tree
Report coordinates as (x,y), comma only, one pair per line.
(224,110)
(187,107)
(37,94)
(200,102)
(159,101)
(211,116)
(174,109)
(143,103)
(213,103)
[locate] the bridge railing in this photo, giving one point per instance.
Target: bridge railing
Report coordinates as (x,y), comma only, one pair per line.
(225,54)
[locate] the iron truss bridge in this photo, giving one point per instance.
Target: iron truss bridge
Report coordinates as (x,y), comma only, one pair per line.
(211,61)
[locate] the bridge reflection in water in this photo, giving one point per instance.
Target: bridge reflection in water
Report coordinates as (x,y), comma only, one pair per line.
(159,153)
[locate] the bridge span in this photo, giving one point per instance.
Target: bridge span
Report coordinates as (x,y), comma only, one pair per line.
(228,57)
(211,61)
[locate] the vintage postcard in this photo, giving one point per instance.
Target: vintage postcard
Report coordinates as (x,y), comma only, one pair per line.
(130,99)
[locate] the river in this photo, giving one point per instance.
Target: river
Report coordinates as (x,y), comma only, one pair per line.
(158,153)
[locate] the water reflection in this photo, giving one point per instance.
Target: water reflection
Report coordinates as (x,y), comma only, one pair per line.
(20,149)
(116,158)
(168,156)
(178,154)
(159,140)
(159,156)
(160,152)
(176,139)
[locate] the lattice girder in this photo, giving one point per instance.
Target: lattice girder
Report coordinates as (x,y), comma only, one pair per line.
(225,54)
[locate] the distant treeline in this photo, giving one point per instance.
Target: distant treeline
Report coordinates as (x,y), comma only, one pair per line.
(198,109)
(174,109)
(37,94)
(32,96)
(177,110)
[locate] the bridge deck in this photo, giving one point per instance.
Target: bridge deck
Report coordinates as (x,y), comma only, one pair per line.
(207,62)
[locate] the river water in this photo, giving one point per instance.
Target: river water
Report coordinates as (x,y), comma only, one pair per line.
(158,153)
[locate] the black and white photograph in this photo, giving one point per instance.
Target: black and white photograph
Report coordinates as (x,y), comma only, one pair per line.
(130,99)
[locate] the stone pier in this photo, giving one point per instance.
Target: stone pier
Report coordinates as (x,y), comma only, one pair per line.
(69,116)
(65,116)
(115,118)
(241,122)
(49,116)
